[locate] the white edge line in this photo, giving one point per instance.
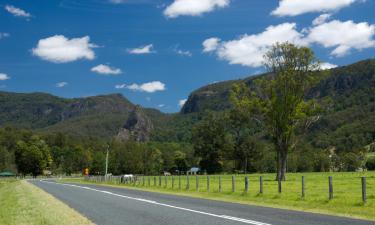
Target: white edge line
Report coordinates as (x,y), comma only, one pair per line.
(165,205)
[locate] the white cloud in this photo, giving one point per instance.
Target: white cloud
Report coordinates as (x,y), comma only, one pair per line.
(327,66)
(193,7)
(343,36)
(117,1)
(61,84)
(210,44)
(184,53)
(182,102)
(248,50)
(298,7)
(59,49)
(106,70)
(147,49)
(161,105)
(4,35)
(4,76)
(120,86)
(321,19)
(17,11)
(149,87)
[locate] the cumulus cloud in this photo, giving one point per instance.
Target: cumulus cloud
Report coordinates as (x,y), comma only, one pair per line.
(343,36)
(17,11)
(298,7)
(106,70)
(147,49)
(210,44)
(149,87)
(61,84)
(327,66)
(59,49)
(4,76)
(4,35)
(182,102)
(193,7)
(248,50)
(161,105)
(321,19)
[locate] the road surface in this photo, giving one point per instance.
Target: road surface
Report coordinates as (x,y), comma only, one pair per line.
(119,206)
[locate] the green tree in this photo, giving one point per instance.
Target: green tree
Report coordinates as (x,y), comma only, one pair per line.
(281,98)
(211,141)
(32,157)
(243,127)
(180,161)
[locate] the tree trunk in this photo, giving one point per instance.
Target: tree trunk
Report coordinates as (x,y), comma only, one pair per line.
(281,164)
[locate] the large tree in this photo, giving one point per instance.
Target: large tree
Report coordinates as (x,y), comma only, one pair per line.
(32,156)
(211,142)
(281,98)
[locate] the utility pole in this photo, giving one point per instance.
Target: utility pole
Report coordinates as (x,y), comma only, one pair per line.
(106,163)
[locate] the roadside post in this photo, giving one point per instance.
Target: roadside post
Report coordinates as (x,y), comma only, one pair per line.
(303,186)
(364,196)
(330,187)
(219,183)
(233,184)
(260,185)
(246,184)
(196,183)
(208,183)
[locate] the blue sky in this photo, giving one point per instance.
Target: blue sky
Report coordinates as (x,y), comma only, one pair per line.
(156,52)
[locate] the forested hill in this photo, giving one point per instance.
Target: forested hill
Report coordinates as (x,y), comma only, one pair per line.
(341,83)
(98,116)
(347,92)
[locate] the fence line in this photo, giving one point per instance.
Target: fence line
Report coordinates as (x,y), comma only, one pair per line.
(201,186)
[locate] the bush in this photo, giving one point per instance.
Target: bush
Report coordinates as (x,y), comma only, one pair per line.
(370,164)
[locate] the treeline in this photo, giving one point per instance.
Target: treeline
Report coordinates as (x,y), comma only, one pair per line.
(223,147)
(24,152)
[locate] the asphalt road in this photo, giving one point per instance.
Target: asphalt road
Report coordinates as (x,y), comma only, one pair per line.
(119,206)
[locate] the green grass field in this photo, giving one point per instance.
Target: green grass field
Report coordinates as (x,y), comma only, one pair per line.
(347,191)
(21,203)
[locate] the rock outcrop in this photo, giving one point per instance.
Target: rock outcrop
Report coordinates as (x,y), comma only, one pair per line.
(137,128)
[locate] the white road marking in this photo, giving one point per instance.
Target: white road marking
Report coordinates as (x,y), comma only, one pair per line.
(162,204)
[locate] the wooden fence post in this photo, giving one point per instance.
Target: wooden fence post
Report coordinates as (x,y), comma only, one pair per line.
(279,185)
(187,182)
(196,183)
(166,181)
(364,196)
(303,186)
(143,180)
(219,183)
(154,181)
(172,182)
(179,182)
(330,187)
(208,183)
(246,184)
(261,185)
(233,184)
(159,181)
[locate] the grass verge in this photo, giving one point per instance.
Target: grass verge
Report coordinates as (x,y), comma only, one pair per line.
(347,192)
(21,203)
